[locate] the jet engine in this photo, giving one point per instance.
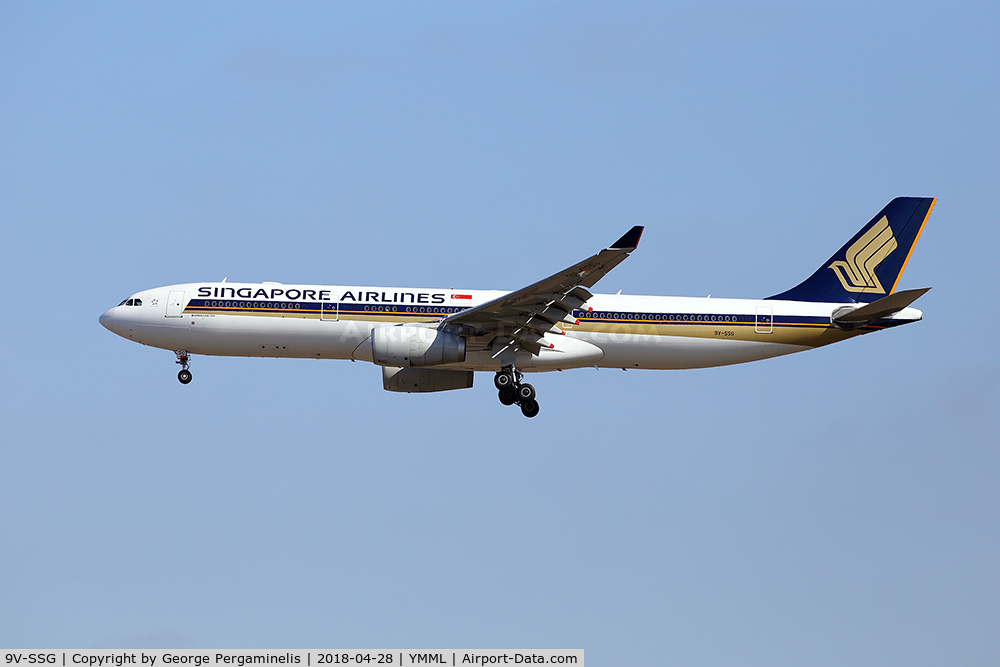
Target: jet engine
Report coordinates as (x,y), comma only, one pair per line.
(406,345)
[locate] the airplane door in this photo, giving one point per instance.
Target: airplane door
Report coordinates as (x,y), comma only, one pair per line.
(765,323)
(329,311)
(175,303)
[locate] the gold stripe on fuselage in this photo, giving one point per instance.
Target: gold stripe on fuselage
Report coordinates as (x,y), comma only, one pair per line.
(811,334)
(793,333)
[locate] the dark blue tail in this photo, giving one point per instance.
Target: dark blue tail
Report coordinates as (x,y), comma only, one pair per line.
(868,267)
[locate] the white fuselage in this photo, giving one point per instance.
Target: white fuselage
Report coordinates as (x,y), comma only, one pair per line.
(336,322)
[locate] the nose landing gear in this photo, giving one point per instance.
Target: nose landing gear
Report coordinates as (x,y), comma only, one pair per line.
(184,359)
(511,391)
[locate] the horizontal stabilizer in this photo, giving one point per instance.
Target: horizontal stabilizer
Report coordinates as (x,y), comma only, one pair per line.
(884,307)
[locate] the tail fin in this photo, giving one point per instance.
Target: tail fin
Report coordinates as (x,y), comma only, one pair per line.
(868,267)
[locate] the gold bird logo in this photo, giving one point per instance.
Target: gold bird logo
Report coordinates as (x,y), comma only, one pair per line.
(857,273)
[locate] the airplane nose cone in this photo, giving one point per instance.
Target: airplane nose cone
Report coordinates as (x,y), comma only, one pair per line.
(108,320)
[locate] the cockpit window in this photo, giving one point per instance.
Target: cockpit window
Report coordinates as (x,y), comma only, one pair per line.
(131,302)
(138,302)
(123,302)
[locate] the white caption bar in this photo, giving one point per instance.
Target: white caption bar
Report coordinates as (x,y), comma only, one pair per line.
(298,658)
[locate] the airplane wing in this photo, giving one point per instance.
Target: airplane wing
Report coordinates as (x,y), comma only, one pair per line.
(526,315)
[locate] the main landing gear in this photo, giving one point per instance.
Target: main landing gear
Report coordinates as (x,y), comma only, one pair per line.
(511,391)
(184,359)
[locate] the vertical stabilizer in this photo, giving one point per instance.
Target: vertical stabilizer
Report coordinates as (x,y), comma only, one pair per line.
(868,267)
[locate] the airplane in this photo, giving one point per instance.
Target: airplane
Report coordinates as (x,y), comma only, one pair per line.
(429,340)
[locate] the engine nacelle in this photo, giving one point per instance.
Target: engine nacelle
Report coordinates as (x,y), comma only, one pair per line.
(416,346)
(418,380)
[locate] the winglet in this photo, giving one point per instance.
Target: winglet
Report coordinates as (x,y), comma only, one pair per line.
(630,241)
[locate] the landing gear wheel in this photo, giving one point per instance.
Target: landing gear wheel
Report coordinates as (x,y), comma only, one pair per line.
(503,379)
(184,359)
(507,396)
(526,392)
(529,408)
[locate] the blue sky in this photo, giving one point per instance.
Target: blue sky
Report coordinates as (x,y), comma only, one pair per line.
(834,507)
